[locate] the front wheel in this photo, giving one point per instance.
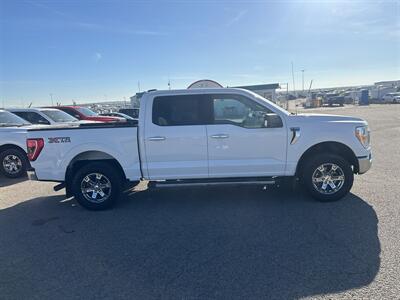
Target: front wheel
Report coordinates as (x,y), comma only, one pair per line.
(97,186)
(327,177)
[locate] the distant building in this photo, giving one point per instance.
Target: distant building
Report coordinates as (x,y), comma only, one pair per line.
(382,88)
(135,100)
(391,83)
(267,91)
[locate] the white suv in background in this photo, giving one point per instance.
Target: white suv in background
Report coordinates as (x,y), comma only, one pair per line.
(392,97)
(43,116)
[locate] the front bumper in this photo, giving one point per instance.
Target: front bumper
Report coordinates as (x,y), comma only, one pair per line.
(364,163)
(32,174)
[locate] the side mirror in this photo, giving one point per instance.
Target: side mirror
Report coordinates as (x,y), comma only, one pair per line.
(272,121)
(77,116)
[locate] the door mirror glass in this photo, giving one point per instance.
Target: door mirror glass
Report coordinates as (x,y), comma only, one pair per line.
(272,121)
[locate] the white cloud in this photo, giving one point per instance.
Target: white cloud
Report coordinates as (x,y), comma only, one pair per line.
(116,29)
(236,18)
(97,56)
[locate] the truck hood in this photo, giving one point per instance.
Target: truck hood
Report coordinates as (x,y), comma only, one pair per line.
(327,118)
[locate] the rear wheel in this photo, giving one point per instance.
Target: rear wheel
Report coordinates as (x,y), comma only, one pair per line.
(97,186)
(327,177)
(13,163)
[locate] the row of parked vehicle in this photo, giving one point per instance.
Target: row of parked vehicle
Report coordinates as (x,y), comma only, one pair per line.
(14,123)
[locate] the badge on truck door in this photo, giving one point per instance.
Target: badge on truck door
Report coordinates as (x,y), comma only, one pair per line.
(58,140)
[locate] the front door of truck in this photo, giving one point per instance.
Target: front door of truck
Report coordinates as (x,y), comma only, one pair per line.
(239,144)
(175,138)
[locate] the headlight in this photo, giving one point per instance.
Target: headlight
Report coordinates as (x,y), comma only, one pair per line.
(362,134)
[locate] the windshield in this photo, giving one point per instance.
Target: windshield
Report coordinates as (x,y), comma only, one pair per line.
(86,111)
(9,119)
(59,116)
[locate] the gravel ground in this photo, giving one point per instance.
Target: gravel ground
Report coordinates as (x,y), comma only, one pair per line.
(219,243)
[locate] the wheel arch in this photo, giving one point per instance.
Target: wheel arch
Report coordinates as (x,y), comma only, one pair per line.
(11,146)
(329,147)
(87,157)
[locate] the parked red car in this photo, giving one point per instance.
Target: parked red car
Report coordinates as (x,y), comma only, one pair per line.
(84,113)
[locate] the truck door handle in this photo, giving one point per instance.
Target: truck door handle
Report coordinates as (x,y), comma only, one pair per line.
(220,136)
(157,138)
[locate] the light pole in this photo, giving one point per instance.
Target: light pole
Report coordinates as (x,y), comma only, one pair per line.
(294,87)
(51,97)
(287,94)
(302,78)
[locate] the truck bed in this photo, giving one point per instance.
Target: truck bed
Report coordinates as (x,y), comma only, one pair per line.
(66,144)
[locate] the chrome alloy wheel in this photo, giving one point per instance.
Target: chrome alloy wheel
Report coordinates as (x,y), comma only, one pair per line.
(12,164)
(328,178)
(96,187)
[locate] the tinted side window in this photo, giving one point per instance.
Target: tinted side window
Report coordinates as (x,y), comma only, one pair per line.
(238,110)
(32,117)
(181,110)
(71,112)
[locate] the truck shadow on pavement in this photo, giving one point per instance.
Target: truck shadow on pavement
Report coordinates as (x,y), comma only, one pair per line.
(4,181)
(230,243)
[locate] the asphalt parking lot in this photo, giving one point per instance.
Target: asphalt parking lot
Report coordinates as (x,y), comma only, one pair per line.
(219,243)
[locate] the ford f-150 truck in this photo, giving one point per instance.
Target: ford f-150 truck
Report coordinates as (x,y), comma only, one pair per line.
(202,137)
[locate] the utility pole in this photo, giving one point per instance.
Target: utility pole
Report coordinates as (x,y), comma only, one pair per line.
(302,77)
(287,94)
(51,97)
(294,87)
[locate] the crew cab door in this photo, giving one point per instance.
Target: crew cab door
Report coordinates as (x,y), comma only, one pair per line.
(239,144)
(175,137)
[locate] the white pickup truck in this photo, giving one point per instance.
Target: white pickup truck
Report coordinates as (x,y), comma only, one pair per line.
(13,160)
(202,137)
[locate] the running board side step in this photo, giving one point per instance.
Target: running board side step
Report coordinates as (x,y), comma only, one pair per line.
(194,183)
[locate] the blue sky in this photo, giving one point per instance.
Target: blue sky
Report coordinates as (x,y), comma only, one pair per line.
(96,50)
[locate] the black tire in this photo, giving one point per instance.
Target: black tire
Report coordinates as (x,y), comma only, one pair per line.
(311,166)
(110,174)
(22,162)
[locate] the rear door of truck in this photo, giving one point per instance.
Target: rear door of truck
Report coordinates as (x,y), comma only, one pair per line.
(175,137)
